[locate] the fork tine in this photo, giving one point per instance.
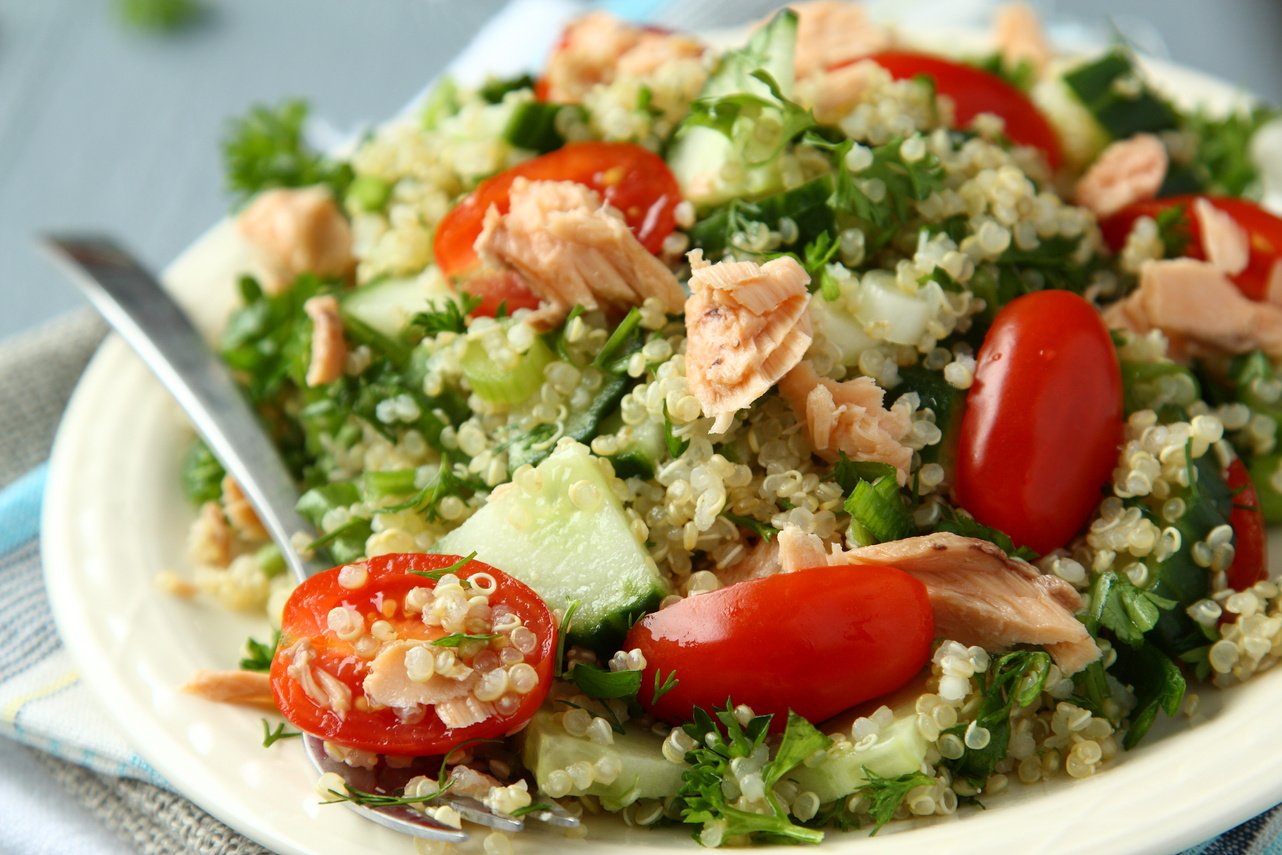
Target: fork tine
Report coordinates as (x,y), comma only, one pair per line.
(556,816)
(396,817)
(474,811)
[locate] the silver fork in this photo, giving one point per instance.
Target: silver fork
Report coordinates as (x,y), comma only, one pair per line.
(148,319)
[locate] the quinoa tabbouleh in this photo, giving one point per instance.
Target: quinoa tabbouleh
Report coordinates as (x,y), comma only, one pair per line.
(790,439)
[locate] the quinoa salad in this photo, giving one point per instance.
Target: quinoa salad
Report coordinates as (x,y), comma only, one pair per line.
(774,442)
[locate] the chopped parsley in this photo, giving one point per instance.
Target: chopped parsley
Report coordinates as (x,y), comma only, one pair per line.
(718,742)
(448,315)
(435,575)
(259,654)
(884,795)
(266,148)
(273,735)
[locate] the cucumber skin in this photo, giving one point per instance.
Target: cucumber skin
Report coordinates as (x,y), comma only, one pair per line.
(610,561)
(545,747)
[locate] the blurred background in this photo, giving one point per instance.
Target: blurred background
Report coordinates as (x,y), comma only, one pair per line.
(110,119)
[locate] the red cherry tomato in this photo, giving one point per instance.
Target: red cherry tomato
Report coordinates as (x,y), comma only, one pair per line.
(1249,548)
(1043,420)
(1263,228)
(305,624)
(504,289)
(974,91)
(815,641)
(628,177)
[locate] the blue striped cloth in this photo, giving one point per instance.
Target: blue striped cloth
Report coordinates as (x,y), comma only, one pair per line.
(44,704)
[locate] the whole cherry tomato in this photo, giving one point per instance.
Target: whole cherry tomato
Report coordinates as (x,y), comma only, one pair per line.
(305,629)
(1263,229)
(814,641)
(974,91)
(1249,547)
(1043,420)
(630,178)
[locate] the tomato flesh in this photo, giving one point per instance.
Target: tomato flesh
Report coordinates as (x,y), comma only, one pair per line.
(1263,229)
(391,577)
(814,641)
(1249,540)
(974,91)
(503,289)
(630,178)
(1043,420)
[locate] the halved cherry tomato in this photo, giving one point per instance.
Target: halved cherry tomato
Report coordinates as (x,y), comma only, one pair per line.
(305,625)
(1043,420)
(1249,549)
(1263,228)
(628,177)
(815,641)
(502,288)
(974,91)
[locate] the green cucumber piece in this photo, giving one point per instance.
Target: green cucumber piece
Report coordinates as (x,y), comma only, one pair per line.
(642,447)
(546,748)
(581,425)
(568,553)
(898,750)
(1101,86)
(533,125)
(500,385)
(386,306)
(699,155)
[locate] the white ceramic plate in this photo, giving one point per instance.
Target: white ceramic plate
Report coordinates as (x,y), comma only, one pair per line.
(114,515)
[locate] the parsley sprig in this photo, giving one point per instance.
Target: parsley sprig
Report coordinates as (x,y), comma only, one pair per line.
(722,739)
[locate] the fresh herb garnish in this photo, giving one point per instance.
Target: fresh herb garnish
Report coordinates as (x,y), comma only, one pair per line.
(621,342)
(266,149)
(722,113)
(272,736)
(885,794)
(967,526)
(701,797)
(259,654)
(435,575)
(530,808)
(1174,231)
(1012,680)
(667,685)
(567,619)
(202,474)
(377,800)
(455,639)
(765,531)
(676,446)
(599,683)
(444,484)
(447,315)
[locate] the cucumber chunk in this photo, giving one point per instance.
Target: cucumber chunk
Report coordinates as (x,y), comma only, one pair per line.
(505,385)
(386,306)
(646,774)
(562,531)
(898,749)
(710,167)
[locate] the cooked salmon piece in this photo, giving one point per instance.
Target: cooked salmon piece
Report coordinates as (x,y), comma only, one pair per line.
(240,512)
(829,32)
(978,593)
(759,561)
(329,348)
(848,417)
(836,93)
(388,682)
(571,249)
(209,542)
(1129,170)
(1199,309)
(1226,243)
(233,687)
(1019,37)
(746,326)
(598,47)
(298,230)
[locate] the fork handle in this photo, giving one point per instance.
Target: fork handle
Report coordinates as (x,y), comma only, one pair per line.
(138,307)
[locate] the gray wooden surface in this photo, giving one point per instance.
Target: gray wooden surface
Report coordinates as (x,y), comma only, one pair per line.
(107,128)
